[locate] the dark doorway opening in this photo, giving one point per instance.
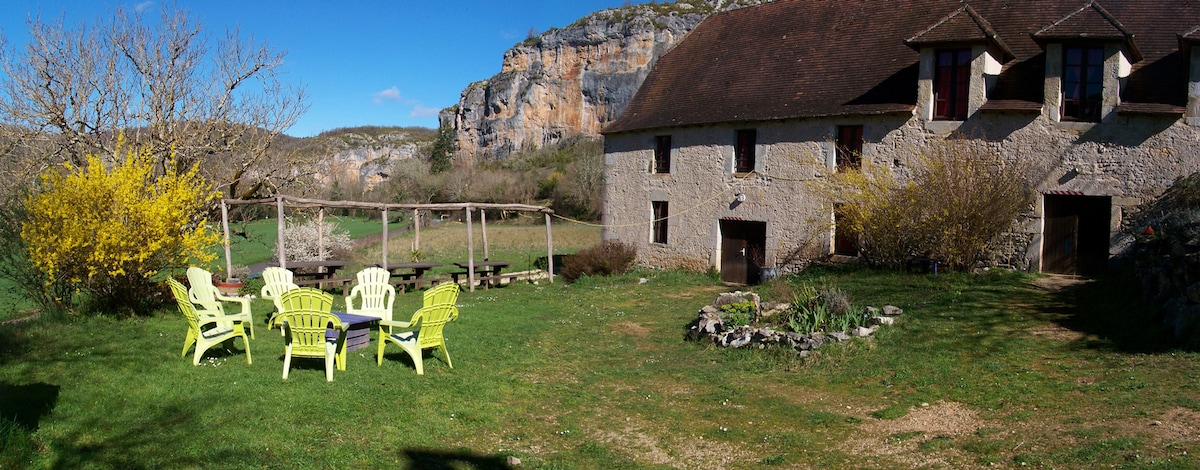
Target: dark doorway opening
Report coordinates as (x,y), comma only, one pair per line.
(845,241)
(1076,236)
(743,249)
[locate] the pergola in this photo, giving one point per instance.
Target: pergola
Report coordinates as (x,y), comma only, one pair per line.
(281,202)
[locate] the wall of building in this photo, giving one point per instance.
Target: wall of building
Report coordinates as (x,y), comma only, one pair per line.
(1129,158)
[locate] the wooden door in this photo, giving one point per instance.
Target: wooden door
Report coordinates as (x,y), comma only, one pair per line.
(740,241)
(1061,245)
(1077,233)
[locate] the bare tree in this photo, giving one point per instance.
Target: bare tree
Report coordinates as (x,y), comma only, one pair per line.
(162,84)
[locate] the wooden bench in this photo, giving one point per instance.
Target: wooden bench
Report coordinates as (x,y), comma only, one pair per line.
(344,281)
(403,284)
(484,277)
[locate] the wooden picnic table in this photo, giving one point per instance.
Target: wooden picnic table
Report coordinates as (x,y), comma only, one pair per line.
(308,273)
(486,272)
(409,273)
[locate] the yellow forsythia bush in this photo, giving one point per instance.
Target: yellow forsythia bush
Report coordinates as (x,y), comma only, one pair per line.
(112,228)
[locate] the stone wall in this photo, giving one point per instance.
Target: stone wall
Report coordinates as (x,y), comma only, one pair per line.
(1129,158)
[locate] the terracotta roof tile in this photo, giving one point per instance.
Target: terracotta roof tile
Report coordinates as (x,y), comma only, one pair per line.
(811,58)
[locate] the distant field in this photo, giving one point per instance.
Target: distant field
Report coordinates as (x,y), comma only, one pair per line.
(520,245)
(445,242)
(254,242)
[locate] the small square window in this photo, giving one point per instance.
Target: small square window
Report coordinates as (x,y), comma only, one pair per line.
(744,152)
(659,222)
(662,154)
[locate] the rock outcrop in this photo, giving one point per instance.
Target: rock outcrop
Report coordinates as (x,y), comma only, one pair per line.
(570,81)
(359,158)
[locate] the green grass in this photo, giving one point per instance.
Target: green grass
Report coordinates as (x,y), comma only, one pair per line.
(597,374)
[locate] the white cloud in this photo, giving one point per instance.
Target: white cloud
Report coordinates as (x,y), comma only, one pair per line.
(421,111)
(390,94)
(143,6)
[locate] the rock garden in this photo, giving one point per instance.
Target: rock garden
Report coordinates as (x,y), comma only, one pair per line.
(814,318)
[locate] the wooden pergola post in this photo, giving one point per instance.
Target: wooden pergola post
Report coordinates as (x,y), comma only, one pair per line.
(279,240)
(416,230)
(320,233)
(470,252)
(549,250)
(483,229)
(225,228)
(385,238)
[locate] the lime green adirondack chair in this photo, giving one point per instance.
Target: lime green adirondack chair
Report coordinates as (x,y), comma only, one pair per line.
(375,295)
(443,294)
(205,331)
(423,331)
(276,281)
(304,318)
(210,301)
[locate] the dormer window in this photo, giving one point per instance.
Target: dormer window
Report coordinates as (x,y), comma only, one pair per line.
(961,55)
(1082,83)
(951,83)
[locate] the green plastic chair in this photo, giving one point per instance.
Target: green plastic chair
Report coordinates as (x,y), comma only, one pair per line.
(375,295)
(304,318)
(443,294)
(205,331)
(211,302)
(423,331)
(276,281)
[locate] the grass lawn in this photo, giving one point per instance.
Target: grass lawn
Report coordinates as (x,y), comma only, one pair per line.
(1002,369)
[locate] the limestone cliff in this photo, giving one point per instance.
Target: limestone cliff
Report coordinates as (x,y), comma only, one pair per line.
(359,158)
(570,81)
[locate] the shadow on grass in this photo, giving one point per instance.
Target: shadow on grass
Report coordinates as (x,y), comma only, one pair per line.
(1110,309)
(147,443)
(26,405)
(432,459)
(13,343)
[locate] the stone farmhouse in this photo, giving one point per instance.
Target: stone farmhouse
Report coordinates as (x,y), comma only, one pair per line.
(712,162)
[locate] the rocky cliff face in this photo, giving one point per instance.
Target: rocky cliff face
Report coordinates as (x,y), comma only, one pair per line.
(571,81)
(361,157)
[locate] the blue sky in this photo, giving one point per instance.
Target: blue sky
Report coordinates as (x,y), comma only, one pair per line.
(385,63)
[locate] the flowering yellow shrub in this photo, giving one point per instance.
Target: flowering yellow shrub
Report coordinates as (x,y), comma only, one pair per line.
(959,201)
(112,228)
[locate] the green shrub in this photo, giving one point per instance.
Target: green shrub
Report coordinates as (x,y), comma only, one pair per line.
(601,260)
(826,310)
(738,314)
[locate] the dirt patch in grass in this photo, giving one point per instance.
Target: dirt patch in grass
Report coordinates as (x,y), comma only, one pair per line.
(1058,282)
(642,441)
(691,293)
(1058,333)
(912,440)
(1174,426)
(632,328)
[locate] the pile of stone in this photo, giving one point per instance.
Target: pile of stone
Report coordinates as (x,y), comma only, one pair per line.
(711,325)
(1167,261)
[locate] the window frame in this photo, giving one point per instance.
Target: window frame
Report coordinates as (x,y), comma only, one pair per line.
(1082,109)
(659,215)
(951,84)
(744,150)
(849,147)
(662,154)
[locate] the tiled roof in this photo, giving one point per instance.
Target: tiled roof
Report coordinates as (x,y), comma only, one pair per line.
(817,58)
(964,25)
